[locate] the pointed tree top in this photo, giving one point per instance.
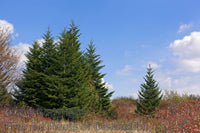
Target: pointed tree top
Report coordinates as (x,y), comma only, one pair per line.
(149,65)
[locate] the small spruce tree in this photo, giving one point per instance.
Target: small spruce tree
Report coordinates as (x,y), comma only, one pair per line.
(149,96)
(93,60)
(5,97)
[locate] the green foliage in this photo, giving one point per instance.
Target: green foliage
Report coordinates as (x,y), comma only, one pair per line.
(29,88)
(112,113)
(125,99)
(71,72)
(149,96)
(173,96)
(57,76)
(5,97)
(65,113)
(103,102)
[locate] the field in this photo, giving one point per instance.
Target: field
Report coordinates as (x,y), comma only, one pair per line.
(175,114)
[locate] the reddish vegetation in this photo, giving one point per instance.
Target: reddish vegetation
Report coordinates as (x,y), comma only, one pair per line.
(179,117)
(125,110)
(172,116)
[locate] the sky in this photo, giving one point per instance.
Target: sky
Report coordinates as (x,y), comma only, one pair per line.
(128,34)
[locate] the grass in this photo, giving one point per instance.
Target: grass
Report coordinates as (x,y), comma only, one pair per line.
(176,114)
(32,122)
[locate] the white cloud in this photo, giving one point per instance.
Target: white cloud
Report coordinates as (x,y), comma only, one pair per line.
(134,95)
(184,27)
(188,84)
(126,71)
(185,77)
(153,65)
(164,80)
(107,85)
(40,42)
(181,84)
(7,27)
(22,49)
(188,52)
(4,25)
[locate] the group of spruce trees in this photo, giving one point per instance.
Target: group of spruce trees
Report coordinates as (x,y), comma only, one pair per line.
(59,75)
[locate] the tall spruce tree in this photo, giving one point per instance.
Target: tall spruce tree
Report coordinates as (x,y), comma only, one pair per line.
(29,88)
(36,88)
(93,60)
(48,57)
(71,71)
(149,96)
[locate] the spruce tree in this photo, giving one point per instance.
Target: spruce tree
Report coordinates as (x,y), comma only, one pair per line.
(37,88)
(71,72)
(93,60)
(48,52)
(5,97)
(149,96)
(29,88)
(48,57)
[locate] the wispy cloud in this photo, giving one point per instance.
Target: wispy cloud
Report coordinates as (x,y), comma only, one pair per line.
(153,65)
(184,27)
(134,95)
(144,46)
(187,84)
(127,53)
(22,49)
(40,42)
(107,85)
(126,71)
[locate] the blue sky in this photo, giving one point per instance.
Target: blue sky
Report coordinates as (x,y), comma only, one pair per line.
(128,34)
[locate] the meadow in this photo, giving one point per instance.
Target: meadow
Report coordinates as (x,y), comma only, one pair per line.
(176,114)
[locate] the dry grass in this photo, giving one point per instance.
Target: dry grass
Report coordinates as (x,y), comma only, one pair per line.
(172,116)
(34,123)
